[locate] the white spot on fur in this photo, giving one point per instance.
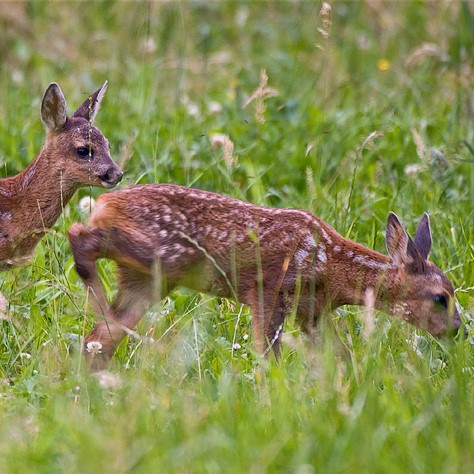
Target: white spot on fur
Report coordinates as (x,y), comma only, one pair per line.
(336,248)
(363,260)
(163,233)
(401,309)
(309,241)
(326,236)
(321,254)
(163,251)
(307,246)
(177,248)
(300,256)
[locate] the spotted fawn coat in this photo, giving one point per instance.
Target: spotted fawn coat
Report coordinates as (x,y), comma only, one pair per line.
(275,260)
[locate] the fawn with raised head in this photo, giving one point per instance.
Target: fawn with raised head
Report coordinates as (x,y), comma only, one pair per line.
(75,154)
(275,260)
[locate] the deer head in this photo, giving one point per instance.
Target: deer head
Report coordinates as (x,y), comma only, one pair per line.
(421,293)
(75,154)
(79,149)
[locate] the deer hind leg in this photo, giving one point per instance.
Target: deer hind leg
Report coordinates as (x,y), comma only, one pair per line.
(87,246)
(135,295)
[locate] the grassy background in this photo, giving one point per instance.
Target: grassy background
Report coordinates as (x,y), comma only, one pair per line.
(198,399)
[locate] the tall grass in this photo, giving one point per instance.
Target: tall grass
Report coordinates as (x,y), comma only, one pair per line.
(189,394)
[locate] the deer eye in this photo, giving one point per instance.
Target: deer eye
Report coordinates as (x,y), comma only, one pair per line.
(84,152)
(441,300)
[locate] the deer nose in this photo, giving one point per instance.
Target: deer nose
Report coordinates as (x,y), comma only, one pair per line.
(112,177)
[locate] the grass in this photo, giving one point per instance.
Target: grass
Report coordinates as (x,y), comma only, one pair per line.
(199,399)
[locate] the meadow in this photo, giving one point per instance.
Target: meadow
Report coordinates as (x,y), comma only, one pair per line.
(349,112)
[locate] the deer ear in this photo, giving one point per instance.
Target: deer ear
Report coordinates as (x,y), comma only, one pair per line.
(89,108)
(53,108)
(422,238)
(400,247)
(396,238)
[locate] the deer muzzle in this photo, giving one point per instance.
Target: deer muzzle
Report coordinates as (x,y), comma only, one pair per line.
(111,177)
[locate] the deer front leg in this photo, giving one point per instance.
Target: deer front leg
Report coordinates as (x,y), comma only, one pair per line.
(269,312)
(135,294)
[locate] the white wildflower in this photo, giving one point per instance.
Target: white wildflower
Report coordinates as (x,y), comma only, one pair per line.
(242,16)
(412,170)
(149,45)
(86,204)
(17,76)
(217,140)
(193,109)
(94,347)
(214,107)
(108,380)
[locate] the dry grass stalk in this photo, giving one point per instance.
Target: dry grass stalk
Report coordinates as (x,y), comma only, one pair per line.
(126,151)
(419,143)
(325,15)
(262,93)
(221,140)
(367,143)
(229,157)
(422,52)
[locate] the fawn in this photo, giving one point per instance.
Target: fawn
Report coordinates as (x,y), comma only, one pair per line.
(75,154)
(275,260)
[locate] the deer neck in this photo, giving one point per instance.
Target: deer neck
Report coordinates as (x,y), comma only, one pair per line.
(358,274)
(41,191)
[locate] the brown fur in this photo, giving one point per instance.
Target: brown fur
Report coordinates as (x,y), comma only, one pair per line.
(31,202)
(275,260)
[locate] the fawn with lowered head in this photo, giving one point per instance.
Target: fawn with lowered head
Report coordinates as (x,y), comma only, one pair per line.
(275,260)
(75,154)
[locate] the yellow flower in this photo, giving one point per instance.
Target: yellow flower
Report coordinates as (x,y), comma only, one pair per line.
(383,64)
